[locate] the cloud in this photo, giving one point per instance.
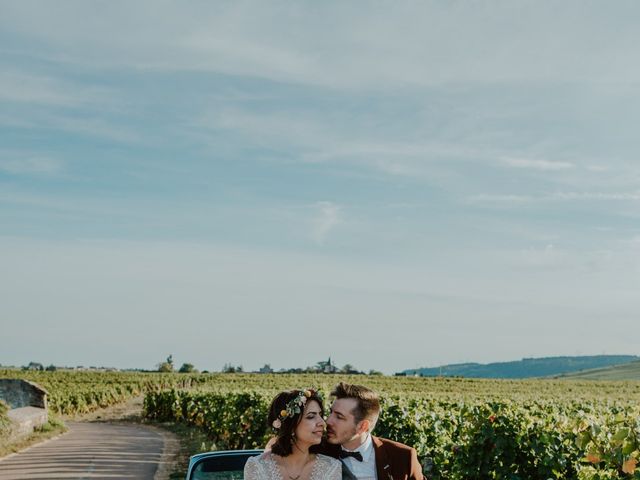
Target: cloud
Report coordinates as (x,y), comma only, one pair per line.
(485,198)
(506,199)
(37,101)
(327,217)
(596,196)
(597,168)
(634,242)
(548,257)
(372,149)
(30,165)
(94,127)
(21,87)
(85,123)
(53,202)
(536,164)
(337,45)
(279,129)
(571,261)
(337,137)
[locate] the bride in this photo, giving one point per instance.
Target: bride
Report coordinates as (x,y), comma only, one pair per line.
(297,417)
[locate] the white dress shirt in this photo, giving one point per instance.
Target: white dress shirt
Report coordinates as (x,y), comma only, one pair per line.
(366,469)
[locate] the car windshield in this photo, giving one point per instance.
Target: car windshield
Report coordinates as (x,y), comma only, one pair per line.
(221,467)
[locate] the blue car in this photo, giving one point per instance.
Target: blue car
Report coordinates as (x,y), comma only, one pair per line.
(222,465)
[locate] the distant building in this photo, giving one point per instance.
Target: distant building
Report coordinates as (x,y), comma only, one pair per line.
(266,369)
(34,366)
(327,367)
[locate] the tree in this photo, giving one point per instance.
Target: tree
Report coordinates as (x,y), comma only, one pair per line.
(51,368)
(266,369)
(34,366)
(166,366)
(350,369)
(187,368)
(229,368)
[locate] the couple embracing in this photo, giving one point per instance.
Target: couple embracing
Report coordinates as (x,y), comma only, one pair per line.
(300,450)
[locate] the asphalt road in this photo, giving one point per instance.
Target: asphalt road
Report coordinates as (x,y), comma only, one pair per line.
(90,450)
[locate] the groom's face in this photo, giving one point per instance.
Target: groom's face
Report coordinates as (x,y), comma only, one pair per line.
(341,424)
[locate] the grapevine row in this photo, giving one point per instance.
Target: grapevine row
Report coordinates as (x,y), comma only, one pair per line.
(533,440)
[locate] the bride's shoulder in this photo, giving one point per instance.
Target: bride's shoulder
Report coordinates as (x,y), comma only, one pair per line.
(258,467)
(264,457)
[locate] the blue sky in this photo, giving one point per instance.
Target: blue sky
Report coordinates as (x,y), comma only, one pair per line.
(249,182)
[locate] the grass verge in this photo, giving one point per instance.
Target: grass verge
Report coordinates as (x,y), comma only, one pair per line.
(192,440)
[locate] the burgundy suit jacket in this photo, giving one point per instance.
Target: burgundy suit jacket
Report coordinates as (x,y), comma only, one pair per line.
(394,460)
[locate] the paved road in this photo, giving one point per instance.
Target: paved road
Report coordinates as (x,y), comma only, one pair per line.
(90,450)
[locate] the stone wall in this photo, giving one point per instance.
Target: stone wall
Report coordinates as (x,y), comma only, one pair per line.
(24,420)
(28,407)
(22,393)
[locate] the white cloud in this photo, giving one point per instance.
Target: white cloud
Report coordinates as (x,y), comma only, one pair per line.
(86,124)
(30,165)
(596,195)
(597,168)
(62,203)
(327,217)
(485,198)
(21,87)
(302,130)
(536,164)
(341,45)
(91,126)
(548,257)
(506,199)
(340,139)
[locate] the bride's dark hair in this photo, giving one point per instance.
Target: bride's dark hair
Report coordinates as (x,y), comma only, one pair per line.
(285,435)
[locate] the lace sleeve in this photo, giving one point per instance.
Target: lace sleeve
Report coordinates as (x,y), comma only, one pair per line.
(335,471)
(329,468)
(251,470)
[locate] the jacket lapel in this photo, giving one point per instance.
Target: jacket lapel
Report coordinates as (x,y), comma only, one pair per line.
(383,466)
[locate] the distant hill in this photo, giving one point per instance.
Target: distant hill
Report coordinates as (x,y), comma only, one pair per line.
(626,371)
(527,367)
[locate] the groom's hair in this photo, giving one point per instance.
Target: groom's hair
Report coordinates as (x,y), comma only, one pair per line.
(285,435)
(368,406)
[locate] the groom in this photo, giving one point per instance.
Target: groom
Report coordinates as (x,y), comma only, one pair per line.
(353,415)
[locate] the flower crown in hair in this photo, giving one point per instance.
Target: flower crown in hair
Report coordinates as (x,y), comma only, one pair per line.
(295,406)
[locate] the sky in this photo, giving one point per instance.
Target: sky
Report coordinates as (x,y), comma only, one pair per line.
(394,185)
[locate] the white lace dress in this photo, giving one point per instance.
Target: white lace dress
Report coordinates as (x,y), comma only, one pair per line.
(264,467)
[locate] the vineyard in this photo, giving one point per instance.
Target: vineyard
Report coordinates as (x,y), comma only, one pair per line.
(73,393)
(462,429)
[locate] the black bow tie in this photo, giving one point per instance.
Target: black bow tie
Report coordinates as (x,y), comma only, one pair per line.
(356,455)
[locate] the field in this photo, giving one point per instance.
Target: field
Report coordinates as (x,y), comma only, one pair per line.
(618,372)
(462,429)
